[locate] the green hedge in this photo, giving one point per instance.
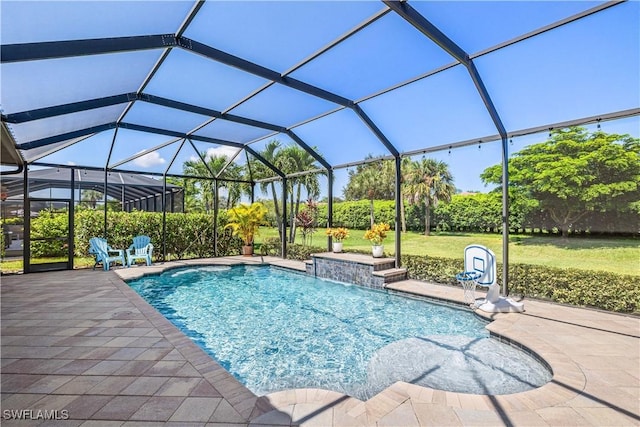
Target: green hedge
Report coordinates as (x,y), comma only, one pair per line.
(603,290)
(480,212)
(272,246)
(49,224)
(191,236)
(188,235)
(355,215)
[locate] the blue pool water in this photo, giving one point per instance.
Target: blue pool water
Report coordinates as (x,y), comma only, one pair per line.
(274,330)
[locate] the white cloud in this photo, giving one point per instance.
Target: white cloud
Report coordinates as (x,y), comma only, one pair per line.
(148,160)
(70,163)
(222,150)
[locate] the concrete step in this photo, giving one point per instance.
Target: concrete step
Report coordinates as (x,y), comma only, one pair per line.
(383,264)
(391,275)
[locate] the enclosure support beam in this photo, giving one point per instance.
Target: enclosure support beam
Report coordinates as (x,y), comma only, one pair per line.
(164,201)
(330,207)
(308,149)
(409,14)
(215,217)
(72,210)
(258,70)
(505,216)
(64,49)
(73,107)
(26,219)
(399,200)
(65,136)
(106,179)
(283,234)
(164,218)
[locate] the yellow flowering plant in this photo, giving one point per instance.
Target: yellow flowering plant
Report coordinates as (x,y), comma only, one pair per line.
(377,233)
(338,234)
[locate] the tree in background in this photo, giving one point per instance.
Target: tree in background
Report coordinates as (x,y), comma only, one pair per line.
(90,198)
(289,159)
(428,181)
(292,159)
(192,202)
(202,189)
(371,181)
(260,171)
(574,173)
(235,190)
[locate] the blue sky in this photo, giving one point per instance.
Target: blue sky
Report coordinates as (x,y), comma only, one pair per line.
(583,69)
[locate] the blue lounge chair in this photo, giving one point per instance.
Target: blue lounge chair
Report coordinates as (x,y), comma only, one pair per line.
(104,253)
(142,248)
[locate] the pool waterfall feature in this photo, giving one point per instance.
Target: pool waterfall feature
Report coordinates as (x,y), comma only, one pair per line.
(363,270)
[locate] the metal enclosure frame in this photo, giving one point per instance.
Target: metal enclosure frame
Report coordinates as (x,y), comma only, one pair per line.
(15,53)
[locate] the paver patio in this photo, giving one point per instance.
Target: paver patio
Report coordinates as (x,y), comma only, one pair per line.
(84,344)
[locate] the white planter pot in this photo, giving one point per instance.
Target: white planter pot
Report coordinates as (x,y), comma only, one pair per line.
(378,251)
(337,247)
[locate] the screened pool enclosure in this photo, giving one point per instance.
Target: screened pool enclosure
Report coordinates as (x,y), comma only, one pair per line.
(143,87)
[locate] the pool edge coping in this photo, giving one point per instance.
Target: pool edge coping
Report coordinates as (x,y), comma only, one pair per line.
(499,326)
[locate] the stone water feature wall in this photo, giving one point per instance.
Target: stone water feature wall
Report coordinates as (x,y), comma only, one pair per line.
(354,268)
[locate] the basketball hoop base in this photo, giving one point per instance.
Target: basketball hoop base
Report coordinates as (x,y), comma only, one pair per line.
(502,305)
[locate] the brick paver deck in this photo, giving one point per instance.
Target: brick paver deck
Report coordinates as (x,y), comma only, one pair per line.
(84,347)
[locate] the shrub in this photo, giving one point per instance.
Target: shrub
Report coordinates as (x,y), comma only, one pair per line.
(603,290)
(47,225)
(300,252)
(188,235)
(271,246)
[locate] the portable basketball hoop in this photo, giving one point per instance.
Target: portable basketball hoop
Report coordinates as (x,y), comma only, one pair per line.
(480,270)
(468,280)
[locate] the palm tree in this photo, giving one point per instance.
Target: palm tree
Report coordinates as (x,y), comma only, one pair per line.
(235,190)
(270,153)
(429,181)
(192,202)
(197,169)
(90,198)
(404,173)
(371,181)
(294,159)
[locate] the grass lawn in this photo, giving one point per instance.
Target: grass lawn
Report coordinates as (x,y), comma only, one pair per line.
(605,254)
(617,255)
(15,265)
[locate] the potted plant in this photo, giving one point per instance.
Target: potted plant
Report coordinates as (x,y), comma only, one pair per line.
(376,234)
(244,220)
(338,235)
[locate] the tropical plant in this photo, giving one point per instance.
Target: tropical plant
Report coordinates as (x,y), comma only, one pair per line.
(294,159)
(429,182)
(289,159)
(245,220)
(377,233)
(338,234)
(306,219)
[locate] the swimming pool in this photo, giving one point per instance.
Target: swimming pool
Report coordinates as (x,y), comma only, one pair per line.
(274,330)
